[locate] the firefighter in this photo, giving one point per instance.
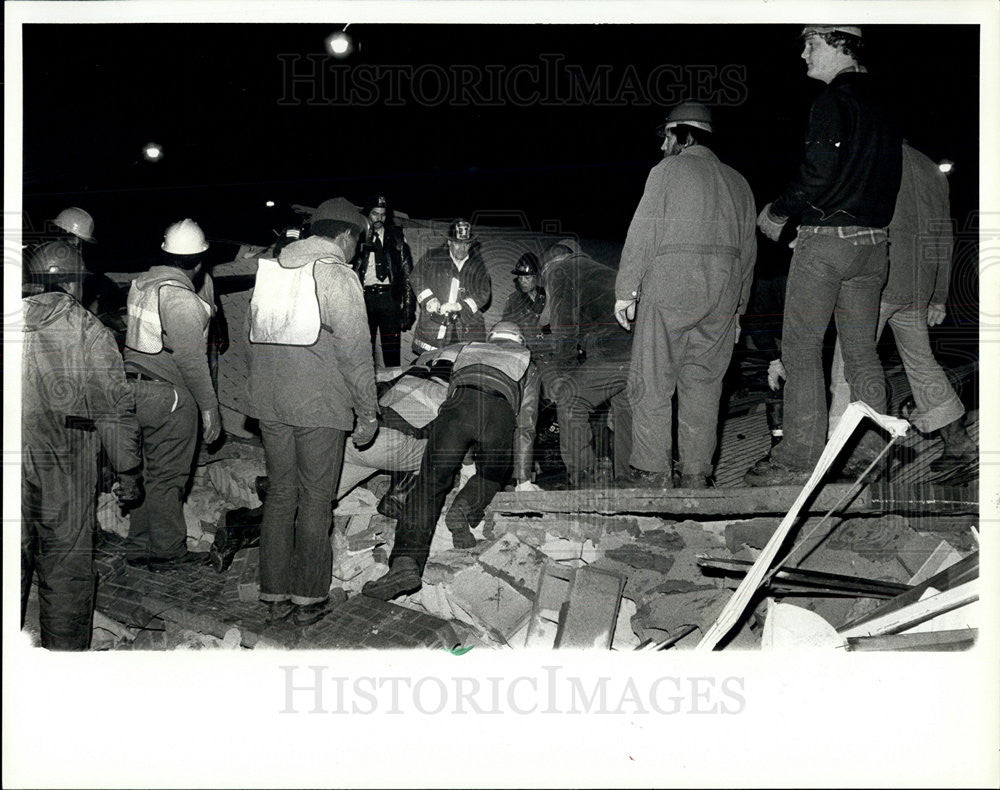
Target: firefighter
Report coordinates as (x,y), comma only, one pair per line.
(453,288)
(524,307)
(74,400)
(491,407)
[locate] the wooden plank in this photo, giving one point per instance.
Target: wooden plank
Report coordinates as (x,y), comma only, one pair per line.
(963,571)
(707,501)
(592,610)
(897,620)
(942,641)
(794,579)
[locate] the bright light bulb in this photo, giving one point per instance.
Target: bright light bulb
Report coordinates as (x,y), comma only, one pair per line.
(945,166)
(269,204)
(339,44)
(152,152)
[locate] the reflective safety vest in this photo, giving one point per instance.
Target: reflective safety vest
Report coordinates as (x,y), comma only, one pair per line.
(492,368)
(284,308)
(512,362)
(416,400)
(144,331)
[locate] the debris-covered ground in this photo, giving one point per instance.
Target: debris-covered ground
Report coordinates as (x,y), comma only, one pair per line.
(607,580)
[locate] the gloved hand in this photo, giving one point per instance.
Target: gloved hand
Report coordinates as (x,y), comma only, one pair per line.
(451,307)
(432,305)
(624,312)
(211,425)
(527,485)
(935,314)
(364,431)
(770,225)
(775,372)
(128,490)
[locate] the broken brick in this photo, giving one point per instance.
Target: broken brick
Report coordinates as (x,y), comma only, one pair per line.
(514,561)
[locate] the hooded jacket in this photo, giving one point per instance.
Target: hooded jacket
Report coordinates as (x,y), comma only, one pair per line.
(317,385)
(72,381)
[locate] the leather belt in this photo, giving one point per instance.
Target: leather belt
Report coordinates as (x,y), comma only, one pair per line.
(138,375)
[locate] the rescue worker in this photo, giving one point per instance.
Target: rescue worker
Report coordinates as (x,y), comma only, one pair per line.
(77,226)
(166,358)
(844,194)
(74,401)
(689,256)
(453,288)
(914,299)
(407,406)
(524,307)
(491,407)
(311,381)
(586,364)
(383,264)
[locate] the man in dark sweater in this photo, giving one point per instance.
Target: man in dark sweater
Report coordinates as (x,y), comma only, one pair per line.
(843,194)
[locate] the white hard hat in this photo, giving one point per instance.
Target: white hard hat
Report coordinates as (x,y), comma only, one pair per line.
(184,238)
(506,330)
(76,221)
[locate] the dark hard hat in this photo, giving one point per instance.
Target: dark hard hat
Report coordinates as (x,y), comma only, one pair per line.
(56,261)
(527,265)
(461,230)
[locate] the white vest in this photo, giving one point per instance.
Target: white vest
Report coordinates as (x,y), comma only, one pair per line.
(284,308)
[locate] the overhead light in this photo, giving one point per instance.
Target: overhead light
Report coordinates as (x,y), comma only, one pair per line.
(340,44)
(946,166)
(269,204)
(153,152)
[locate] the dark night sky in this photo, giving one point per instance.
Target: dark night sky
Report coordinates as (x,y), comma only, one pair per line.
(210,94)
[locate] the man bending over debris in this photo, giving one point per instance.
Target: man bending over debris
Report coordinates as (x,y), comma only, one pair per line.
(492,406)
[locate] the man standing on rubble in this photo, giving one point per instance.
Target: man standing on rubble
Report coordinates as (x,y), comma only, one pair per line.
(689,255)
(913,300)
(844,194)
(383,264)
(311,380)
(74,400)
(492,406)
(166,358)
(587,361)
(453,288)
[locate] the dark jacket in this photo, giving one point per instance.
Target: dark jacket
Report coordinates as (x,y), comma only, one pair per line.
(851,170)
(920,235)
(393,262)
(432,278)
(525,312)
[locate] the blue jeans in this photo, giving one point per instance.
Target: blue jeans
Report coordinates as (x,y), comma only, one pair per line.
(296,558)
(937,403)
(828,276)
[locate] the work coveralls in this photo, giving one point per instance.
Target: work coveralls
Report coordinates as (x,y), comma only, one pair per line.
(689,258)
(310,367)
(492,407)
(166,358)
(74,399)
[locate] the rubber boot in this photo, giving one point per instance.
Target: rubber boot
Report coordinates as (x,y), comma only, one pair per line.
(959,449)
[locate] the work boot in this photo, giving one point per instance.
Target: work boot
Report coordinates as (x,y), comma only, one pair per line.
(768,472)
(640,478)
(959,448)
(403,578)
(694,481)
(278,611)
(309,613)
(463,538)
(391,503)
